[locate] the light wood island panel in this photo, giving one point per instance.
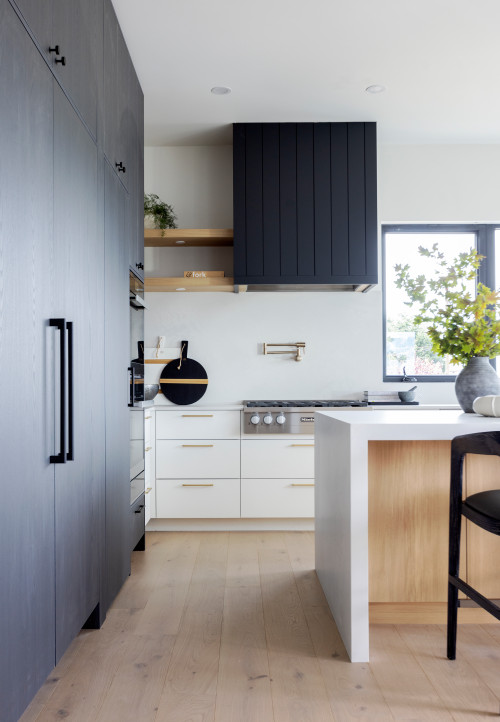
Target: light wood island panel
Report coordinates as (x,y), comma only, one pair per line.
(408,502)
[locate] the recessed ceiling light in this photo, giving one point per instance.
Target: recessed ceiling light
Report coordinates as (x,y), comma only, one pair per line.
(180,243)
(220,90)
(180,289)
(375,89)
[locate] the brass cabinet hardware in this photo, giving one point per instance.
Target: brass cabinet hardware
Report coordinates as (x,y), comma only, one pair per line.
(147,417)
(148,448)
(148,489)
(197,416)
(301,444)
(302,484)
(197,485)
(192,446)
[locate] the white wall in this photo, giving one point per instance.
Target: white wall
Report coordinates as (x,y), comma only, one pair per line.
(343,331)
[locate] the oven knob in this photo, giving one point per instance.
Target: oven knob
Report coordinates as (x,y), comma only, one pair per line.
(280,419)
(255,419)
(268,419)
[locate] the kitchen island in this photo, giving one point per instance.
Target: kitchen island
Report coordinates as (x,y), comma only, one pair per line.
(381,508)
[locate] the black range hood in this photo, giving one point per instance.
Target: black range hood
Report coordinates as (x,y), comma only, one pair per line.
(305,206)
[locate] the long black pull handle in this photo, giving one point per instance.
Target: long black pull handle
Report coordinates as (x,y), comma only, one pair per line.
(132,383)
(60,458)
(69,455)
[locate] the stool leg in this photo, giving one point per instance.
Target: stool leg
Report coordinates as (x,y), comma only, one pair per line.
(453,569)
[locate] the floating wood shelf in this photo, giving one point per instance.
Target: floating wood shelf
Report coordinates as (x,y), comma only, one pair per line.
(188,237)
(189,284)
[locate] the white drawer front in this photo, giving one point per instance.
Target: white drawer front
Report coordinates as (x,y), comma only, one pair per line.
(197,459)
(277,459)
(148,419)
(182,424)
(198,498)
(271,498)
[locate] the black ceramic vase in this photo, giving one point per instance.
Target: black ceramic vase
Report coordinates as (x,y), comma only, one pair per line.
(478,378)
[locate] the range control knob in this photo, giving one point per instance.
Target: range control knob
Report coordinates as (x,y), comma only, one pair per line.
(255,419)
(268,419)
(280,419)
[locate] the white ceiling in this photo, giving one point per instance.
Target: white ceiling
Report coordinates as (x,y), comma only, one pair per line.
(311,60)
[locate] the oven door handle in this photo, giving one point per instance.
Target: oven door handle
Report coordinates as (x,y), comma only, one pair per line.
(132,383)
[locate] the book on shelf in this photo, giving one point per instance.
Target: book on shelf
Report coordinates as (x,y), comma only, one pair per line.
(203,274)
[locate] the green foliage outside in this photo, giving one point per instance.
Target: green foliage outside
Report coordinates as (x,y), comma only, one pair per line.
(458,325)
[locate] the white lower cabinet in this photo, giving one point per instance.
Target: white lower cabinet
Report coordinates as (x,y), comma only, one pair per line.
(197,458)
(277,478)
(198,498)
(149,465)
(277,498)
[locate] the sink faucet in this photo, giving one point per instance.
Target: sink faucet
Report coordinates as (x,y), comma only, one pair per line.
(407,378)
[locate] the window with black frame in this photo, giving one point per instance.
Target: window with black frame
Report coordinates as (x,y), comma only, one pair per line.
(407,347)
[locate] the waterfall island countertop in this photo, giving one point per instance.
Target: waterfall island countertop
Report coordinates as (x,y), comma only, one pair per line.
(391,498)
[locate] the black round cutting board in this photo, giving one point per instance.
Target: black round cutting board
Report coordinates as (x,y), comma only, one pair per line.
(183,380)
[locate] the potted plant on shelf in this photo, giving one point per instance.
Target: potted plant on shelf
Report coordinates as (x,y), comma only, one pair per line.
(158,214)
(461,326)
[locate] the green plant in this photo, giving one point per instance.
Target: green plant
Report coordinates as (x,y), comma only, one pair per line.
(163,213)
(459,325)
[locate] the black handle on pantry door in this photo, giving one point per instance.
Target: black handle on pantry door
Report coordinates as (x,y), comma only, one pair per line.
(132,382)
(69,455)
(60,458)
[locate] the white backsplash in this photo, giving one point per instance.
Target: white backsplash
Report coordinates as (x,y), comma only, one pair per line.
(225,331)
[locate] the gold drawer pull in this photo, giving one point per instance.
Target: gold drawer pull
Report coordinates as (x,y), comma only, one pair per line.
(193,446)
(302,484)
(148,489)
(197,416)
(148,448)
(197,485)
(301,444)
(147,417)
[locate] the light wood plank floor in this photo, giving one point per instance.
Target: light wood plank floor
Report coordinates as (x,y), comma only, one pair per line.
(234,627)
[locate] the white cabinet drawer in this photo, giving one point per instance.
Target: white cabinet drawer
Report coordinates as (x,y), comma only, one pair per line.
(197,458)
(198,498)
(262,498)
(148,422)
(277,459)
(182,424)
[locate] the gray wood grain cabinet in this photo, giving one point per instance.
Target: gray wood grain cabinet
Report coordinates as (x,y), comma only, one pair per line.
(123,131)
(27,568)
(65,547)
(116,564)
(305,203)
(69,35)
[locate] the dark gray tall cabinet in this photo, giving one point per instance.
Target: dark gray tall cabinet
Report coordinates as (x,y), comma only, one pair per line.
(64,254)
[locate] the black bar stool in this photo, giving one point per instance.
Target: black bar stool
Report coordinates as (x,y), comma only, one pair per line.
(482,509)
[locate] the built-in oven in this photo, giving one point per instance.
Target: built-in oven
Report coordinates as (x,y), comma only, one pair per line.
(136,386)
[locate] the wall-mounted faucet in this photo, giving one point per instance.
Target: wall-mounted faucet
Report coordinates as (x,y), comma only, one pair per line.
(298,349)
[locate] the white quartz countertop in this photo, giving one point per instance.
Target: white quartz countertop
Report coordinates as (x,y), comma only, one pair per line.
(163,406)
(406,424)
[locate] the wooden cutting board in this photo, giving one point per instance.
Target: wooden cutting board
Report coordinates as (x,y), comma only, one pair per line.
(183,380)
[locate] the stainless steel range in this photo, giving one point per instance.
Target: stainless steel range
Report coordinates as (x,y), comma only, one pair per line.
(288,417)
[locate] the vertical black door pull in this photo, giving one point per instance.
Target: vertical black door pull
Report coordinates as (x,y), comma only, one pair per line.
(60,458)
(69,455)
(132,387)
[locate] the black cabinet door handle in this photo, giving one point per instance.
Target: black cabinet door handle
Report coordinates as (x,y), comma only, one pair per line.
(120,167)
(132,382)
(60,458)
(138,510)
(69,327)
(139,265)
(55,49)
(61,60)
